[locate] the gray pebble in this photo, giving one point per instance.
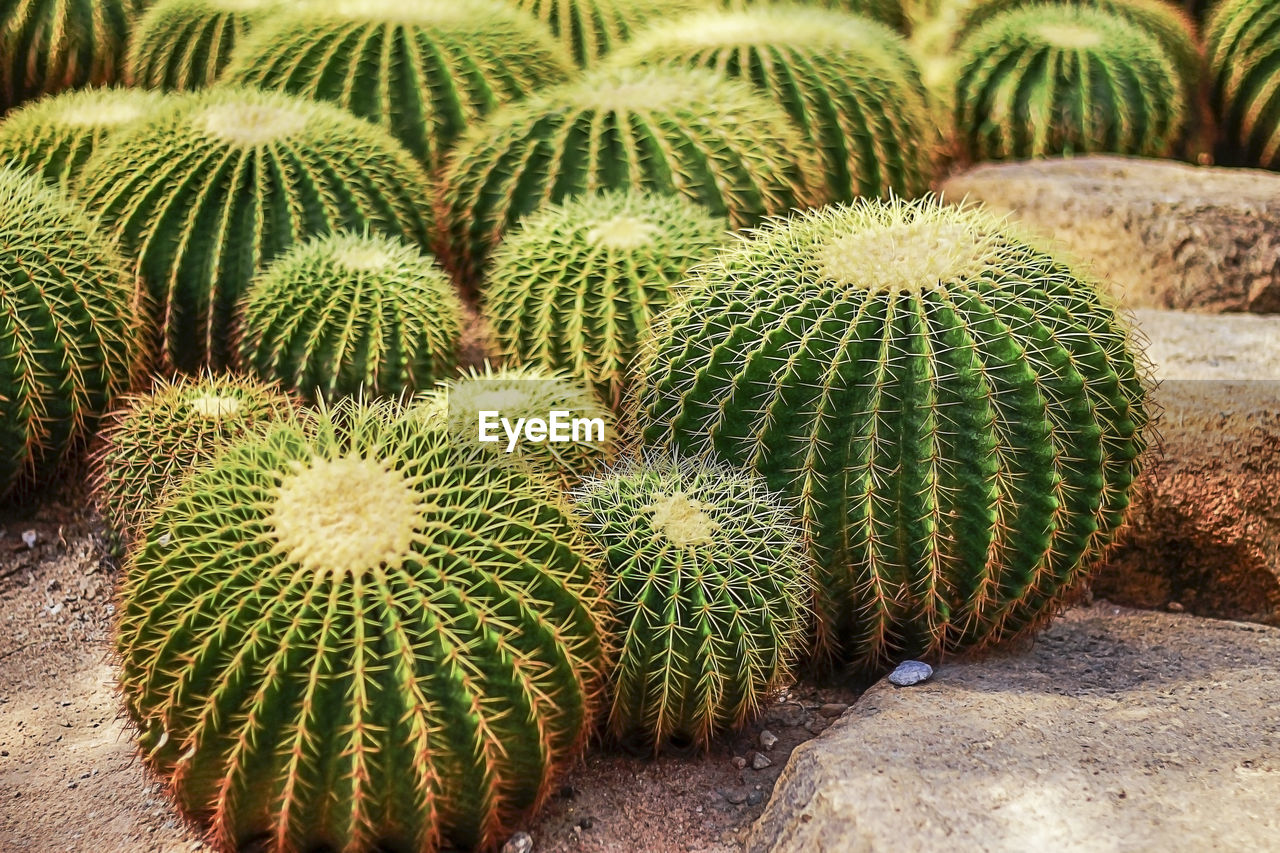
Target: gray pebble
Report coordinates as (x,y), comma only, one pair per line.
(910,672)
(29,538)
(737,796)
(521,842)
(755,798)
(768,740)
(760,761)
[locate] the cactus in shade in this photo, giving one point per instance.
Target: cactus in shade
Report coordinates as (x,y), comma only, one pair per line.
(847,82)
(182,45)
(957,413)
(1244,55)
(425,70)
(710,586)
(575,286)
(589,29)
(69,328)
(48,46)
(358,637)
(892,13)
(1047,80)
(54,137)
(223,182)
(681,132)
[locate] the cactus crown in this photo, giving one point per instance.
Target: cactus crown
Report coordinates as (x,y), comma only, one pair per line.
(1243,48)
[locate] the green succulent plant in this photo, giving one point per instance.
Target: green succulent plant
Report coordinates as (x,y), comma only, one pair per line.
(1048,80)
(48,46)
(425,70)
(359,637)
(680,132)
(54,137)
(848,83)
(589,29)
(958,414)
(575,286)
(708,580)
(183,45)
(226,180)
(1244,51)
(893,13)
(70,328)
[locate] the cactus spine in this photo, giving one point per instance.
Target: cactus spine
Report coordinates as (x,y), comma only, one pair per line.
(182,45)
(48,46)
(1244,49)
(589,29)
(892,13)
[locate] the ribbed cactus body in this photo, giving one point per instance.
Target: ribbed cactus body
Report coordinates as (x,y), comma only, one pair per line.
(426,70)
(575,286)
(1049,80)
(69,328)
(225,181)
(346,314)
(890,12)
(47,46)
(680,132)
(356,637)
(589,29)
(957,413)
(847,82)
(1244,55)
(182,45)
(54,137)
(711,589)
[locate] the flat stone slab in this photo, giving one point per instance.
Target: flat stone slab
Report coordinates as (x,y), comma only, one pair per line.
(1115,730)
(1163,234)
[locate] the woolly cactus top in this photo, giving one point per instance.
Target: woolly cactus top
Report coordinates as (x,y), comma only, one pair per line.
(96,108)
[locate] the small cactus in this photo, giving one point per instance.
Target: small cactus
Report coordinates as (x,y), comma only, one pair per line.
(710,586)
(575,286)
(589,29)
(183,45)
(958,415)
(1244,54)
(49,46)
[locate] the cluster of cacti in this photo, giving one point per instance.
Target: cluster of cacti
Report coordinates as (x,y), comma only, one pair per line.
(589,29)
(890,12)
(224,181)
(683,132)
(957,413)
(181,45)
(359,637)
(1048,80)
(707,577)
(346,314)
(54,137)
(426,70)
(70,328)
(847,82)
(48,46)
(1244,69)
(575,286)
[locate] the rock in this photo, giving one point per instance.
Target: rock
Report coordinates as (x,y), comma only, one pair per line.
(521,842)
(833,709)
(1164,234)
(739,762)
(1116,730)
(30,538)
(768,740)
(910,672)
(760,761)
(737,796)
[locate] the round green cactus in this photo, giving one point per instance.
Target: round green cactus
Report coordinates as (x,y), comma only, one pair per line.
(847,82)
(681,132)
(957,413)
(69,328)
(54,137)
(357,637)
(1244,51)
(182,45)
(344,314)
(226,180)
(589,29)
(425,70)
(1048,80)
(575,286)
(707,577)
(892,13)
(155,439)
(48,46)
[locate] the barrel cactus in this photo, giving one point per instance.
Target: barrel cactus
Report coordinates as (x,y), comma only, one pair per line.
(575,286)
(347,314)
(69,328)
(958,414)
(681,132)
(847,82)
(181,45)
(892,13)
(712,591)
(589,29)
(425,70)
(154,439)
(48,46)
(1244,52)
(224,181)
(357,637)
(1048,80)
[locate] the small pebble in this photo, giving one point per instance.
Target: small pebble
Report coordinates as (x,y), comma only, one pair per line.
(760,761)
(739,762)
(910,672)
(521,842)
(755,798)
(29,538)
(833,709)
(1176,607)
(768,740)
(737,796)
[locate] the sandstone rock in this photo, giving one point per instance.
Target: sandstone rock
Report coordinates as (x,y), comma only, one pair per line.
(1115,730)
(1163,234)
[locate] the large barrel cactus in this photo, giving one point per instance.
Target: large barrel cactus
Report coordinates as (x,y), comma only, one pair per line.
(224,181)
(1244,65)
(589,29)
(355,637)
(711,589)
(69,328)
(425,70)
(847,82)
(682,132)
(575,286)
(890,12)
(1049,80)
(958,414)
(181,45)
